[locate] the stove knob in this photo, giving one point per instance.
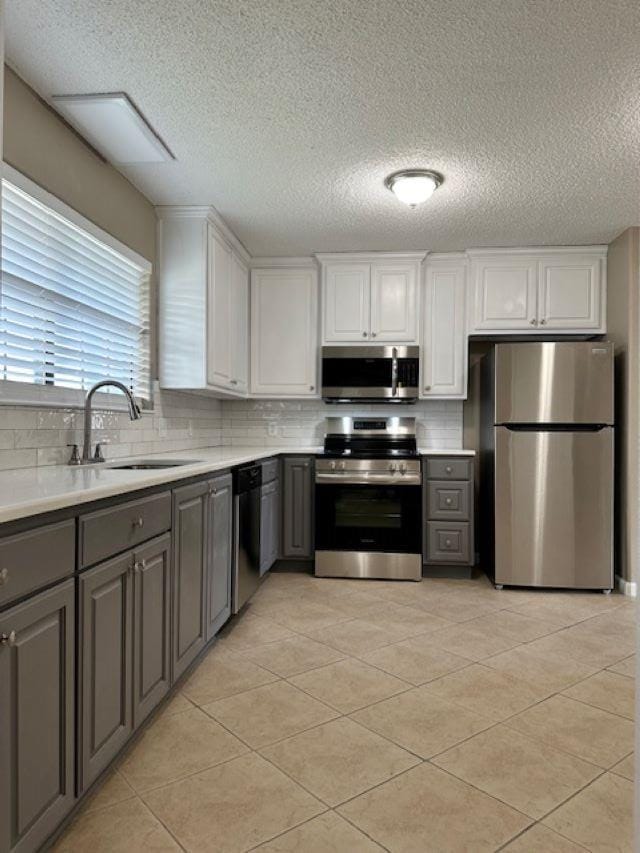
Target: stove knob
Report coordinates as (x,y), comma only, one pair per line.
(342,466)
(403,468)
(332,465)
(392,468)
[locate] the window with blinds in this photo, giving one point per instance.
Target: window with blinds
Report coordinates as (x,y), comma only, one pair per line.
(73,310)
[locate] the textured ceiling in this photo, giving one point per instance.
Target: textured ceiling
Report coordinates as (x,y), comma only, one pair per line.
(287,114)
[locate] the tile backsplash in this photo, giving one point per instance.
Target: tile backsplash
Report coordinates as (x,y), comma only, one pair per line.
(38,435)
(273,423)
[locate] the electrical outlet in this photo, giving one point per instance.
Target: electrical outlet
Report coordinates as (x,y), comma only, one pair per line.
(272,429)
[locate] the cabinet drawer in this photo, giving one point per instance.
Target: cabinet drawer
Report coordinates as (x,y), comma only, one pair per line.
(448,468)
(270,470)
(448,542)
(35,559)
(448,501)
(109,531)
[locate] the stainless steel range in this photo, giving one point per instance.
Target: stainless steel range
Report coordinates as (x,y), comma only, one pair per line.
(368,499)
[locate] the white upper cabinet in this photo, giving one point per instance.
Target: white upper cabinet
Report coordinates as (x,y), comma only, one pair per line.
(347,302)
(444,354)
(505,292)
(370,298)
(394,302)
(239,325)
(219,335)
(204,311)
(571,292)
(531,290)
(284,337)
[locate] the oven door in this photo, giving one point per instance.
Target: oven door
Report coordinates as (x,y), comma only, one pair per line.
(380,517)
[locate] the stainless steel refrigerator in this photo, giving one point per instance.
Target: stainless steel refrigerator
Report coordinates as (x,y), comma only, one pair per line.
(547,464)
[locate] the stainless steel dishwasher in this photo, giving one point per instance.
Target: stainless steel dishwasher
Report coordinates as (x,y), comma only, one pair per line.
(247,482)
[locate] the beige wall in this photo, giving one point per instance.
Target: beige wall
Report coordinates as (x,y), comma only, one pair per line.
(623,325)
(41,146)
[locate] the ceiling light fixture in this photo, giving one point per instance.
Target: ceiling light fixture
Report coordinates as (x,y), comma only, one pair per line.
(114,125)
(413,186)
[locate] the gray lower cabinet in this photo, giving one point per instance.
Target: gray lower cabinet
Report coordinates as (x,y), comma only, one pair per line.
(37,660)
(219,553)
(190,553)
(297,507)
(104,664)
(448,512)
(269,525)
(151,625)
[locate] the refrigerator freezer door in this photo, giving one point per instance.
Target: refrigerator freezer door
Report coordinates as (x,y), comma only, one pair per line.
(558,383)
(554,508)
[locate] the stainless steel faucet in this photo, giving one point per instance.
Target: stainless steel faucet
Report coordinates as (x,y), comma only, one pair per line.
(134,413)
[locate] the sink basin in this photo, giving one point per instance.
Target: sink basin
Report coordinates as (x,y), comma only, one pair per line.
(151,464)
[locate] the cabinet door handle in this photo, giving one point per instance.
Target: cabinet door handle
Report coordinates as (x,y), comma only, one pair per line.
(364,334)
(138,522)
(448,501)
(311,387)
(427,387)
(448,469)
(234,381)
(447,543)
(4,576)
(373,334)
(533,322)
(8,639)
(543,322)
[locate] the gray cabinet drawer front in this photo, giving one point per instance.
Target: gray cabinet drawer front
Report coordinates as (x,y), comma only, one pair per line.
(448,501)
(35,559)
(448,468)
(110,531)
(448,542)
(270,470)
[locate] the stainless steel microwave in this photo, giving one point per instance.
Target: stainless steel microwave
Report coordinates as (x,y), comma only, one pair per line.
(376,374)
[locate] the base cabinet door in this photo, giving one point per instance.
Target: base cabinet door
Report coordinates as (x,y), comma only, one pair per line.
(104,655)
(190,509)
(151,625)
(269,525)
(219,553)
(297,505)
(37,683)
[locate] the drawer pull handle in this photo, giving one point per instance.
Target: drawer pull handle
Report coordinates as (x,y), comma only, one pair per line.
(139,522)
(8,639)
(447,543)
(448,501)
(138,565)
(448,469)
(4,576)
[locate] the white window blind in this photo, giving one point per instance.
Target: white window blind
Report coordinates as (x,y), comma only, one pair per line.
(73,310)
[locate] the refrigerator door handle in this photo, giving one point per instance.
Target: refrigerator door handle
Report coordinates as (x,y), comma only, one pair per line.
(555,427)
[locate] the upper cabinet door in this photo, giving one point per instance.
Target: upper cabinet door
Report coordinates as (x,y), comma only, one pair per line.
(219,313)
(240,325)
(346,303)
(570,292)
(284,335)
(394,302)
(444,350)
(505,292)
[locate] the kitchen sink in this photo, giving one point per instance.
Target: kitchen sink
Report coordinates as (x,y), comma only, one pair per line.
(151,464)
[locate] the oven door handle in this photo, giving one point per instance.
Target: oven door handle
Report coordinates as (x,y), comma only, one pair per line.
(370,479)
(394,371)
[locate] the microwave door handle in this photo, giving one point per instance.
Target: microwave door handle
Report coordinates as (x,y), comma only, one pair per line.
(394,372)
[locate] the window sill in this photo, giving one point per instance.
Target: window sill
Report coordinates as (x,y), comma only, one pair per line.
(24,394)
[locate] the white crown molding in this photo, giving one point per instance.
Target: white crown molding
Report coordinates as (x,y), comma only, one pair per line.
(437,257)
(537,251)
(286,263)
(208,212)
(369,257)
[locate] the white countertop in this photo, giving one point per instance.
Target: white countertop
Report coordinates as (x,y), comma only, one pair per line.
(31,491)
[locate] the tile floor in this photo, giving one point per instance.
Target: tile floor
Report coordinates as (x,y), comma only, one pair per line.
(339,716)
